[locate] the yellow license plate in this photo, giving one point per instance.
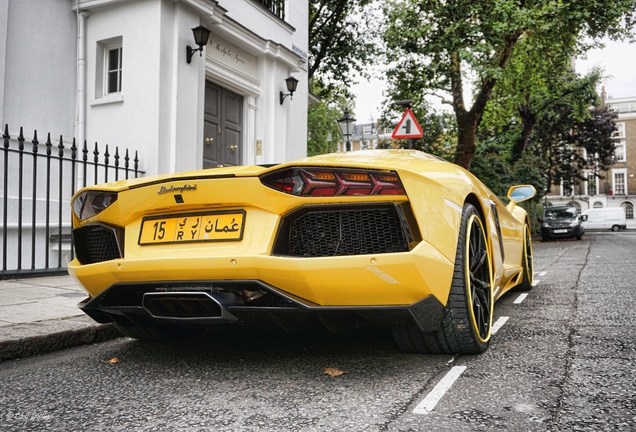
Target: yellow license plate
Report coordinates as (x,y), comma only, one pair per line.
(194,227)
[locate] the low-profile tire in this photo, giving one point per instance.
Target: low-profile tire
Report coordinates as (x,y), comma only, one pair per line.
(157,333)
(527,261)
(616,228)
(467,317)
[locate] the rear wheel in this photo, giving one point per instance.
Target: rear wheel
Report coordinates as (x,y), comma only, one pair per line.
(467,317)
(616,228)
(527,261)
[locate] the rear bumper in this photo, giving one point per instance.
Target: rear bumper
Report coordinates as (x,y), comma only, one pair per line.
(364,280)
(211,303)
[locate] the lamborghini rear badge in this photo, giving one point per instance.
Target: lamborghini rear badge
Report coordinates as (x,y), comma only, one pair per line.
(178,189)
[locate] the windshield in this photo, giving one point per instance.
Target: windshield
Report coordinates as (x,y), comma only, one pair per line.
(561,213)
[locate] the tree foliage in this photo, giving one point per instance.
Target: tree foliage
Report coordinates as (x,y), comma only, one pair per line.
(558,132)
(441,47)
(569,147)
(340,41)
(323,132)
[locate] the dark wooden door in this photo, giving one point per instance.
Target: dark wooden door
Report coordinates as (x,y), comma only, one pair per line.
(222,127)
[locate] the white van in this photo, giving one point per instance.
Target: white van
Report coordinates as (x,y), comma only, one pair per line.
(604,218)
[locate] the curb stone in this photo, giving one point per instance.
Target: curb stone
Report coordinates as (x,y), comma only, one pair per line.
(26,340)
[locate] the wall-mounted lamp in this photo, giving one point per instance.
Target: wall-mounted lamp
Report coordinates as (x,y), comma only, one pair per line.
(291,83)
(201,35)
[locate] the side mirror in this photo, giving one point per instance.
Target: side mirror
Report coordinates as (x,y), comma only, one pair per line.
(521,193)
(583,218)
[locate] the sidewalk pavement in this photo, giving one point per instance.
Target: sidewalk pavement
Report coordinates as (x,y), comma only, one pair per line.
(39,315)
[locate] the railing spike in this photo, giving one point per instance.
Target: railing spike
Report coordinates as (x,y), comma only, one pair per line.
(48,144)
(61,147)
(6,135)
(21,140)
(85,152)
(35,142)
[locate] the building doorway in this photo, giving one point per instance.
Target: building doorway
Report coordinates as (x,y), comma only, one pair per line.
(222,127)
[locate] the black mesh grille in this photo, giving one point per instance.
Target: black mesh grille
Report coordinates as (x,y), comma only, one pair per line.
(95,243)
(342,231)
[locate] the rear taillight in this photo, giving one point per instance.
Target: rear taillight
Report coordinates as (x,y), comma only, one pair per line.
(334,182)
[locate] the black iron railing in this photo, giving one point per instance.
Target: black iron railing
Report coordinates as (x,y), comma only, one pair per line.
(37,185)
(277,7)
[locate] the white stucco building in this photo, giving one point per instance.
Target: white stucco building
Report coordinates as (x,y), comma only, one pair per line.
(115,71)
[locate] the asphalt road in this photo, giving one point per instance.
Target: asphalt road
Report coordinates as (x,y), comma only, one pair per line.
(562,360)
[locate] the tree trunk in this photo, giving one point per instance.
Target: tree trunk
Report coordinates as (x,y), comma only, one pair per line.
(521,144)
(466,139)
(468,121)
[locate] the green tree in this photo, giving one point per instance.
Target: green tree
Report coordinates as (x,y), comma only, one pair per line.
(440,47)
(567,146)
(341,40)
(545,133)
(323,132)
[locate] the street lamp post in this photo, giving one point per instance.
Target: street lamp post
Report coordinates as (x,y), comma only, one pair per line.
(346,124)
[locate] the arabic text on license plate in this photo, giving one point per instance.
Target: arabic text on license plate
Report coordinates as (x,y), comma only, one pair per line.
(218,226)
(560,231)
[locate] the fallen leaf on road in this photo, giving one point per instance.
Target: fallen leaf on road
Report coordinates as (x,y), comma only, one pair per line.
(334,372)
(114,360)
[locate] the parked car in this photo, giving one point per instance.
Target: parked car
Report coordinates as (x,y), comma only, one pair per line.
(612,218)
(561,222)
(393,238)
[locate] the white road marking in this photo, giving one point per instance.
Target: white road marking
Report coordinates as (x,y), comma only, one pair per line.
(541,274)
(431,400)
(536,282)
(521,298)
(499,323)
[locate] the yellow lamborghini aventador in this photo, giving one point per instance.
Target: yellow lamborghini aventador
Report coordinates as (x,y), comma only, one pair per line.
(393,238)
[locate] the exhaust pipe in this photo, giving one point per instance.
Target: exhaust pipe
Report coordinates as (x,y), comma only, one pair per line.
(185,305)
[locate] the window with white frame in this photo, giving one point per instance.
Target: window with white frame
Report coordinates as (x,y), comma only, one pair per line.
(620,130)
(619,149)
(629,210)
(592,184)
(109,68)
(620,143)
(113,69)
(566,188)
(619,185)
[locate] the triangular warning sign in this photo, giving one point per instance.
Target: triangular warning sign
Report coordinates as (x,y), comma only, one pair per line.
(408,127)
